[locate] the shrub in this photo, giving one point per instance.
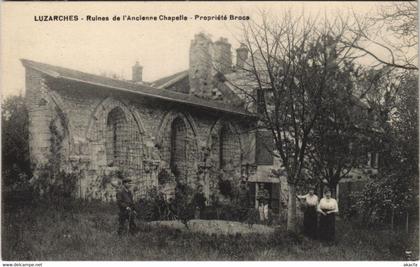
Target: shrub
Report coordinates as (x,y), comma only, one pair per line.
(225,188)
(252,217)
(228,212)
(351,210)
(380,196)
(183,203)
(153,206)
(16,169)
(56,187)
(164,177)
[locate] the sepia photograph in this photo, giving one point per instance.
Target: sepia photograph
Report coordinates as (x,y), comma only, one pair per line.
(209,131)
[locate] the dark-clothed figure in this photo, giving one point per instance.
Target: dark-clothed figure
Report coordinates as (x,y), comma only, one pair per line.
(310,221)
(126,205)
(263,200)
(199,202)
(328,208)
(243,200)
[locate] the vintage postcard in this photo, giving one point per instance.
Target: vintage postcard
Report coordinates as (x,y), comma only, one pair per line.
(209,131)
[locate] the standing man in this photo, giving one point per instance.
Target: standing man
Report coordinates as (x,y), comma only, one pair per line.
(243,199)
(263,200)
(126,205)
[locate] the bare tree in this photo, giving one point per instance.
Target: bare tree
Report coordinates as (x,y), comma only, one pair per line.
(390,37)
(289,68)
(340,138)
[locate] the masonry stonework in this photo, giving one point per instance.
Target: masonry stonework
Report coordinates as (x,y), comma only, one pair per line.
(147,135)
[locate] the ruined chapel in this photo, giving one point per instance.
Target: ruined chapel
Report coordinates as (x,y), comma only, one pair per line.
(191,123)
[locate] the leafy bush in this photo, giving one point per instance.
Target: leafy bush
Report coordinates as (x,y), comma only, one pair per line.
(225,188)
(153,207)
(229,212)
(381,195)
(16,169)
(164,177)
(351,210)
(183,203)
(19,192)
(55,186)
(252,217)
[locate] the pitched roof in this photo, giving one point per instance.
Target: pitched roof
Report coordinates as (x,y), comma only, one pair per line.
(169,80)
(125,86)
(219,83)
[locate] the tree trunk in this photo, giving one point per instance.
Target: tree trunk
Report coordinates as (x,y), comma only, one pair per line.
(406,223)
(321,190)
(392,218)
(280,204)
(333,189)
(291,209)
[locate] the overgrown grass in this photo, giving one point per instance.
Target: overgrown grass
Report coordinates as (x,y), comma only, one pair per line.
(88,232)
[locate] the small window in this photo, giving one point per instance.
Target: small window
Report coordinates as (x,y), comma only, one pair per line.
(264,148)
(226,147)
(178,147)
(260,101)
(116,138)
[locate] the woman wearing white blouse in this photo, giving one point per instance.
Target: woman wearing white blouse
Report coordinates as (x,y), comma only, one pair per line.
(328,207)
(310,216)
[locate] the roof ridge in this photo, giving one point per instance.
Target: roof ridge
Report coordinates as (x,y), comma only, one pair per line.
(23,60)
(170,79)
(145,90)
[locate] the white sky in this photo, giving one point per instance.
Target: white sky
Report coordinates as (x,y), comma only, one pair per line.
(96,47)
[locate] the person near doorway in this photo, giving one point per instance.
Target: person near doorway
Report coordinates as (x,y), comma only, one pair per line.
(243,199)
(263,199)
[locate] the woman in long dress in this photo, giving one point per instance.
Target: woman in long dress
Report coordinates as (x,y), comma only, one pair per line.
(327,207)
(310,221)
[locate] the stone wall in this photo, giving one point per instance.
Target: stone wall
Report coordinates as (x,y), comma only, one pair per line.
(81,113)
(222,56)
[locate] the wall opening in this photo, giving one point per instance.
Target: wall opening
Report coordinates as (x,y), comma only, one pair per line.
(226,147)
(178,148)
(117,138)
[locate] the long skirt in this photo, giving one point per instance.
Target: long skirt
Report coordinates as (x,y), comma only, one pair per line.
(263,210)
(327,227)
(310,222)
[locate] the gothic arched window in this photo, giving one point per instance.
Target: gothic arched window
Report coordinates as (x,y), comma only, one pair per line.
(226,147)
(116,138)
(178,147)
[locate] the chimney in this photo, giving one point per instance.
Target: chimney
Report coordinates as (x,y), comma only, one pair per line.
(241,56)
(200,72)
(222,56)
(137,73)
